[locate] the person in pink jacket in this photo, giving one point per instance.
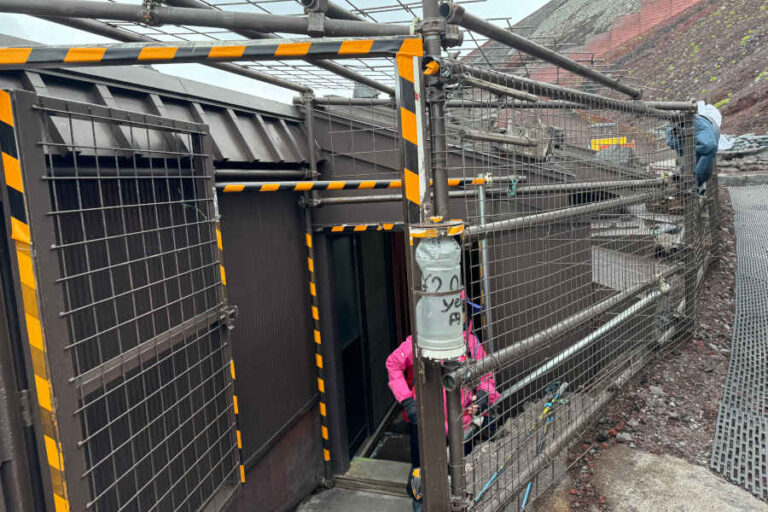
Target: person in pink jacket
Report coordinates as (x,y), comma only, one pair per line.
(400,369)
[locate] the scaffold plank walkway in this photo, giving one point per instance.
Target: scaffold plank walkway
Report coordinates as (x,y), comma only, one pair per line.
(739,451)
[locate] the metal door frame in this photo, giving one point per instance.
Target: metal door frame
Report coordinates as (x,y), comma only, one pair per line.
(33,223)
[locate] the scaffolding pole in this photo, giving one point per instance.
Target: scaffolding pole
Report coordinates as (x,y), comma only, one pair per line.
(160,15)
(333,11)
(452,68)
(473,370)
(457,14)
(428,385)
(538,219)
(303,186)
(585,342)
(455,104)
(113,54)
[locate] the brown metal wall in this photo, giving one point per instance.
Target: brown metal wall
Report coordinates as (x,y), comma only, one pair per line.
(523,289)
(267,279)
(286,474)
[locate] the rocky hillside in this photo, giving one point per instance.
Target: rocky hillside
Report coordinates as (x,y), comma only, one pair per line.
(716,51)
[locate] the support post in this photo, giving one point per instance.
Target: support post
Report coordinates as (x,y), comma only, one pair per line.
(320,352)
(485,271)
(713,199)
(691,207)
(456,448)
(435,92)
(429,372)
(17,489)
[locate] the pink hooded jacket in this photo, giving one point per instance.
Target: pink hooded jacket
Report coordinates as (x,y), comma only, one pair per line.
(400,368)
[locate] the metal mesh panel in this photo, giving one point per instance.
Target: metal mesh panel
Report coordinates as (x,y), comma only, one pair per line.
(135,237)
(361,140)
(583,250)
(740,435)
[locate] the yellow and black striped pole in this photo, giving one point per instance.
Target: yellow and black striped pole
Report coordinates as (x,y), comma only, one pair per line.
(235,405)
(65,56)
(411,119)
(238,433)
(315,301)
(319,349)
(306,186)
(359,228)
(22,240)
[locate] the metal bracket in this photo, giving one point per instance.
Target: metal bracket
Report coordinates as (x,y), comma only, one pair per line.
(309,202)
(434,94)
(315,5)
(453,36)
(664,286)
(316,24)
(149,12)
(432,26)
(458,503)
(227,316)
(26,407)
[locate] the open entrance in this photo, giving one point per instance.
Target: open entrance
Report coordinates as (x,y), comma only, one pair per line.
(371,307)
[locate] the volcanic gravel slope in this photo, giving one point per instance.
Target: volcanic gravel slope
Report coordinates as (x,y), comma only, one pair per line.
(671,406)
(716,51)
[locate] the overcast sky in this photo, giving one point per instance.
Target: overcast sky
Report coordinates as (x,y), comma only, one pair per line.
(41,31)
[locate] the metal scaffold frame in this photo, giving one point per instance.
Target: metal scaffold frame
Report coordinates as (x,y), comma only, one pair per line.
(405,50)
(436,101)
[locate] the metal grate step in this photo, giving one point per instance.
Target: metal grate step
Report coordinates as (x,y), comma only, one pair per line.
(739,451)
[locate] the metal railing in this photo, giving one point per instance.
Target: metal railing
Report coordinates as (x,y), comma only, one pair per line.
(581,273)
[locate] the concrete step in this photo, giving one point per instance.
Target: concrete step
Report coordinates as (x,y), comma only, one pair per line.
(377,476)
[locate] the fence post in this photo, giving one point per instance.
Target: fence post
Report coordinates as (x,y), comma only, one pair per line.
(713,195)
(320,352)
(428,372)
(485,271)
(688,191)
(455,415)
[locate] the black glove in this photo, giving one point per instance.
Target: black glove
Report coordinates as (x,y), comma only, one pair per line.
(411,410)
(482,400)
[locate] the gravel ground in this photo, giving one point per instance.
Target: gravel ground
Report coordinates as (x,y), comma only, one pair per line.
(671,408)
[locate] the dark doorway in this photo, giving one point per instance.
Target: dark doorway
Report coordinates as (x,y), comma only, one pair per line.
(391,442)
(370,303)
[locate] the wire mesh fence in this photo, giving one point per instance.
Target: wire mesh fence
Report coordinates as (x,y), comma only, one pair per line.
(582,255)
(361,136)
(134,226)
